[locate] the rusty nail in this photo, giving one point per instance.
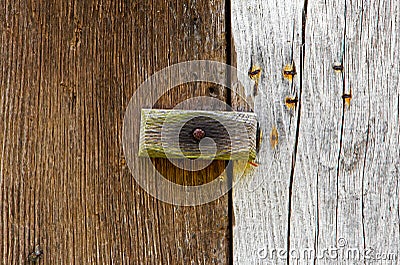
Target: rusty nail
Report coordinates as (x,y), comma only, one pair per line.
(255,72)
(347,97)
(291,102)
(289,71)
(337,67)
(198,134)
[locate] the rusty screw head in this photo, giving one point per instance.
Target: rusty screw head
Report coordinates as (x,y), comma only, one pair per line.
(198,134)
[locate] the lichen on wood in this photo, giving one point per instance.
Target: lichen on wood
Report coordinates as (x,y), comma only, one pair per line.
(169,133)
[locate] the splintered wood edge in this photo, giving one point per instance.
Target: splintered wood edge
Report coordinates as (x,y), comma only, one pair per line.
(152,120)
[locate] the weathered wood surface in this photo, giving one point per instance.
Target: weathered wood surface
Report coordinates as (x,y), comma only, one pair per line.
(67,72)
(169,134)
(333,178)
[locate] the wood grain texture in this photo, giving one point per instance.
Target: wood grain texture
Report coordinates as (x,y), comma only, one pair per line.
(67,72)
(316,176)
(169,133)
(369,162)
(346,174)
(266,36)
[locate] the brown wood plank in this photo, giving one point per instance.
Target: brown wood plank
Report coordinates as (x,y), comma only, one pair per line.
(67,72)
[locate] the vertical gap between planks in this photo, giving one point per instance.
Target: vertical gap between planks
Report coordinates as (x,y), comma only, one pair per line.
(229,169)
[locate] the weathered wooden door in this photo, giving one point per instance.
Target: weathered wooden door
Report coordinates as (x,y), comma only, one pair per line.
(323,78)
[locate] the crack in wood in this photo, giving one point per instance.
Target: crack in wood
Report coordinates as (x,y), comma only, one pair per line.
(342,121)
(291,180)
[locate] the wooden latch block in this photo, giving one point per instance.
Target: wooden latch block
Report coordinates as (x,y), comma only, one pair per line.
(215,135)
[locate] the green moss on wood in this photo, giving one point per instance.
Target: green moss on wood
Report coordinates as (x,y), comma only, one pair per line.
(180,124)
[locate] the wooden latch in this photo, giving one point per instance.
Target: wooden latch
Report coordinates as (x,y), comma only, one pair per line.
(216,135)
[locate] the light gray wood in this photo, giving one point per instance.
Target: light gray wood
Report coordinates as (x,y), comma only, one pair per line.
(263,36)
(346,174)
(369,165)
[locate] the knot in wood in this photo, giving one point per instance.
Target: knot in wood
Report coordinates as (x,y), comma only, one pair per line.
(198,134)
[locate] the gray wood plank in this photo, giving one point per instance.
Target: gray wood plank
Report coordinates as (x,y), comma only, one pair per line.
(267,36)
(369,163)
(344,191)
(314,197)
